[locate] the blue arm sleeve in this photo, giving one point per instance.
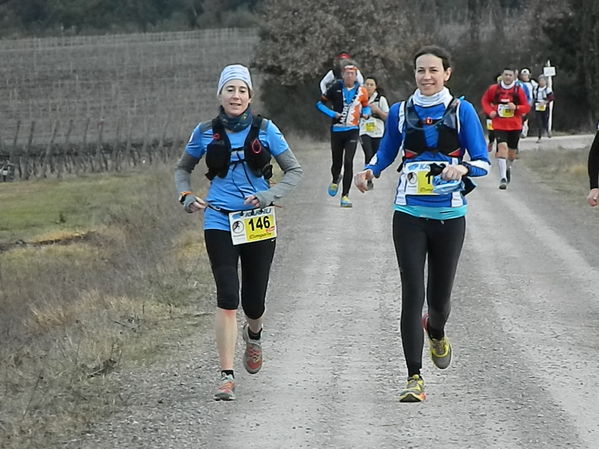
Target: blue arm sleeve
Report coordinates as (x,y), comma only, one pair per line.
(326,111)
(390,143)
(472,139)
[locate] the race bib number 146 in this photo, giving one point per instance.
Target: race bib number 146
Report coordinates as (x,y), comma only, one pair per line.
(253,225)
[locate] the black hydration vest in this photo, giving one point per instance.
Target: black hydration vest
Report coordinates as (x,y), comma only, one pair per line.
(447,127)
(218,152)
(447,144)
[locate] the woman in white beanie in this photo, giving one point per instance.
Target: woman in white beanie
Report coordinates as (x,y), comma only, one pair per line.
(239,216)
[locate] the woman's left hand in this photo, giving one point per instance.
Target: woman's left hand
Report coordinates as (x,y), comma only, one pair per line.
(454,172)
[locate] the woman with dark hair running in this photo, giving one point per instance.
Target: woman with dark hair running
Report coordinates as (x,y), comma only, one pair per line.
(373,127)
(239,220)
(433,131)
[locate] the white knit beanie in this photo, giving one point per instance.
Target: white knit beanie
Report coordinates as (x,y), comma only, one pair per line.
(234,72)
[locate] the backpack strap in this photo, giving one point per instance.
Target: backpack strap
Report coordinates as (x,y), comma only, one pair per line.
(515,96)
(256,155)
(258,124)
(218,152)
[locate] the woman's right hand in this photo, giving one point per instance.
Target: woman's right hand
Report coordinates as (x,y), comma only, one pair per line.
(592,197)
(192,203)
(361,179)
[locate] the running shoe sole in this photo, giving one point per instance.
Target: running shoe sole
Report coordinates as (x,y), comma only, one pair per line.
(221,396)
(412,397)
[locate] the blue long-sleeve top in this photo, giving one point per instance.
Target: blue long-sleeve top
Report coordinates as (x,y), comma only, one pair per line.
(350,103)
(472,142)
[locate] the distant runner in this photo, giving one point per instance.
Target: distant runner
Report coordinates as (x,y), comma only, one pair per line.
(349,103)
(506,104)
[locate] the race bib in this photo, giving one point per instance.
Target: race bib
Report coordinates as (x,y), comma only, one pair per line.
(504,111)
(540,107)
(370,126)
(253,225)
(417,178)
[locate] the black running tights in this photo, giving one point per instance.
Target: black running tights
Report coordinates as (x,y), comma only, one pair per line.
(416,240)
(256,259)
(370,145)
(343,150)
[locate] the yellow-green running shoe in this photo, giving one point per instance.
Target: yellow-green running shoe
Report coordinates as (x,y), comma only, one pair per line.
(414,391)
(440,349)
(345,201)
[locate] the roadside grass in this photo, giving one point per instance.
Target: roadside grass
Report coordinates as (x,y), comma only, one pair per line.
(29,209)
(109,273)
(565,171)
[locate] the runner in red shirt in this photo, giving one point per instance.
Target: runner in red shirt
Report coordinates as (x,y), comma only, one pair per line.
(505,103)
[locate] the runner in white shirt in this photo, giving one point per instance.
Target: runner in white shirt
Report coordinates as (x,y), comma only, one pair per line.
(373,128)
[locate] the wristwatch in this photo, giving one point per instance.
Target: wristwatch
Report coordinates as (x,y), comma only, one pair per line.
(182,196)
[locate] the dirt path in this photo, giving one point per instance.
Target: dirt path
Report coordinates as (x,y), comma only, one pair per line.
(523,324)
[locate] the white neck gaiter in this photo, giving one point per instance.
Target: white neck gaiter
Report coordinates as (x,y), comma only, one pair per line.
(443,96)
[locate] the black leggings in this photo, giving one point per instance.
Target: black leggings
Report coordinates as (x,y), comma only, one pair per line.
(370,145)
(416,239)
(256,259)
(542,122)
(343,149)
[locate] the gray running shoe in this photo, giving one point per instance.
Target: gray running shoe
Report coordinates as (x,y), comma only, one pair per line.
(252,358)
(503,184)
(226,389)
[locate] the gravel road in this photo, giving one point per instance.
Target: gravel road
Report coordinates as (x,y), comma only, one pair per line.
(523,325)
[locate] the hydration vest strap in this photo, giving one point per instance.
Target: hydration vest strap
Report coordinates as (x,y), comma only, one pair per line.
(218,153)
(256,155)
(254,130)
(514,93)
